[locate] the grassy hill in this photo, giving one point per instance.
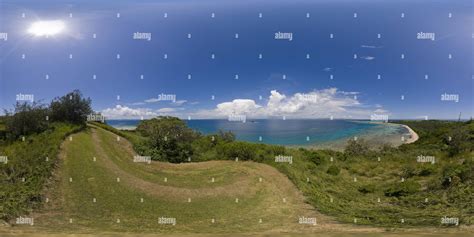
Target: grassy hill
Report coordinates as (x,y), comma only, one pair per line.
(98,188)
(388,187)
(113,193)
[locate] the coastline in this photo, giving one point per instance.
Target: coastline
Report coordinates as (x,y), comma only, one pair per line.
(376,137)
(413,135)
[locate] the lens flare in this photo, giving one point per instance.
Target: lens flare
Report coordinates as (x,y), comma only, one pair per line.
(46,28)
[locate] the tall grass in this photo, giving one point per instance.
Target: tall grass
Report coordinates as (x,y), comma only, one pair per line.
(30,164)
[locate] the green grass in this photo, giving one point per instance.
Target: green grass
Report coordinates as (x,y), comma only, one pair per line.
(30,164)
(118,200)
(348,202)
(196,178)
(426,201)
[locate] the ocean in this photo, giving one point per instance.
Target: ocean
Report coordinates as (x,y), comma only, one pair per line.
(289,132)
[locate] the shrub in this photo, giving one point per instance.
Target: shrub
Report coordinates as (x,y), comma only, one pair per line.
(242,150)
(426,170)
(356,147)
(25,120)
(408,171)
(461,172)
(71,107)
(402,189)
(458,141)
(27,160)
(315,157)
(167,139)
(369,188)
(333,170)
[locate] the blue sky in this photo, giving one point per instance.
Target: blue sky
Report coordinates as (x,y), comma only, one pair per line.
(284,82)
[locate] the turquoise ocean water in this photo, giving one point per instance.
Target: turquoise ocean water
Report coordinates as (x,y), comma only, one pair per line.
(284,132)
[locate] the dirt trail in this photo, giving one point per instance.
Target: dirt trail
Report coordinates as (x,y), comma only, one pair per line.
(272,180)
(243,186)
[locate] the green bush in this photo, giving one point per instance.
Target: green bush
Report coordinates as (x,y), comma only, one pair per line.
(315,157)
(357,147)
(461,172)
(166,139)
(402,188)
(26,119)
(27,160)
(426,170)
(458,141)
(333,170)
(71,107)
(369,188)
(242,150)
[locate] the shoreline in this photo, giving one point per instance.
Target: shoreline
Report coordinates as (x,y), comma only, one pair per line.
(393,140)
(413,135)
(338,145)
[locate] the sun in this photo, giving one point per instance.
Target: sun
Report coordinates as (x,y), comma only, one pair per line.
(46,28)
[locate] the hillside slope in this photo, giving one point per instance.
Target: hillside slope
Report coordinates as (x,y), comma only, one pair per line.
(113,193)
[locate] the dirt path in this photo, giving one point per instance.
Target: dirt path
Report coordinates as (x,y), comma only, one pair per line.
(243,186)
(280,186)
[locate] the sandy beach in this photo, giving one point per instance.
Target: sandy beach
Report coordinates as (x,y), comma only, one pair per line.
(413,135)
(375,140)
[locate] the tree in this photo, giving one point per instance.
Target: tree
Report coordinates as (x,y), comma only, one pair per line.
(27,118)
(168,138)
(71,107)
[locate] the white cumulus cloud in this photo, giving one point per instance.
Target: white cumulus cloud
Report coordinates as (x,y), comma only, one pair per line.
(124,112)
(238,106)
(314,104)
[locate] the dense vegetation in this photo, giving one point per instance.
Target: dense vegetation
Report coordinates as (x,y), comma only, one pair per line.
(387,186)
(30,164)
(30,140)
(32,118)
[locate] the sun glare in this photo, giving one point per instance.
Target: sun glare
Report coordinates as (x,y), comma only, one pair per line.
(46,28)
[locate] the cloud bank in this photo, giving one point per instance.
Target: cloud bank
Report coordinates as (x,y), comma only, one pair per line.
(326,103)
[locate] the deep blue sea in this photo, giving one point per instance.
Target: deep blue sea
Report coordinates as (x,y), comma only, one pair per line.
(281,132)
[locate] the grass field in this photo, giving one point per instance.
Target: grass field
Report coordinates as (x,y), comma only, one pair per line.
(244,196)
